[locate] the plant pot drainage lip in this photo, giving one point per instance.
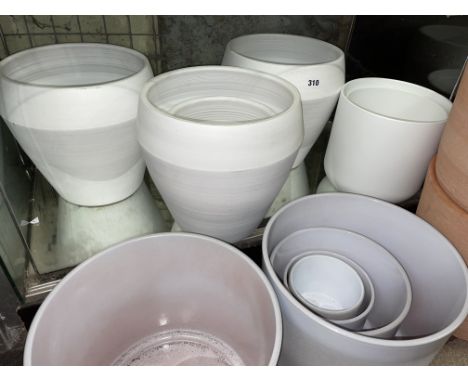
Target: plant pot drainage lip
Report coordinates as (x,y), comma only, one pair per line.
(295,99)
(423,340)
(27,357)
(339,53)
(144,64)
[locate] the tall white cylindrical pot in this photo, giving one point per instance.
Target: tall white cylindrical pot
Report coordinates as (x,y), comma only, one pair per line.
(170,298)
(315,67)
(219,143)
(85,231)
(384,134)
(436,271)
(72,108)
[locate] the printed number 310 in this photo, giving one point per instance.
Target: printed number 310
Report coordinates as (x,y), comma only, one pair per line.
(314,82)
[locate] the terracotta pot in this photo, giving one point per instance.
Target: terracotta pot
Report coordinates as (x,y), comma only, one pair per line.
(452,157)
(436,207)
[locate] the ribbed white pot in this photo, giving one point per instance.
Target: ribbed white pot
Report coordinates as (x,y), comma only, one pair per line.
(85,231)
(219,143)
(72,108)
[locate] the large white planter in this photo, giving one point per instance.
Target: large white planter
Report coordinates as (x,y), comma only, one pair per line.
(153,286)
(72,108)
(219,143)
(384,134)
(85,231)
(298,59)
(315,67)
(437,273)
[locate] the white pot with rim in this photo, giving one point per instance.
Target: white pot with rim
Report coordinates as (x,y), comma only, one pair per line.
(315,67)
(72,108)
(219,143)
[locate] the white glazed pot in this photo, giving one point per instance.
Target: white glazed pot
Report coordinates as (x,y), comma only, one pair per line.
(85,231)
(298,59)
(72,108)
(436,271)
(219,143)
(315,67)
(355,323)
(384,134)
(392,286)
(327,285)
(161,283)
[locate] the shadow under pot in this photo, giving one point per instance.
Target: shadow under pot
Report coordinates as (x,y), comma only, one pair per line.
(219,143)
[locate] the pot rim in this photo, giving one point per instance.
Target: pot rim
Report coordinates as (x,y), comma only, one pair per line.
(294,39)
(152,108)
(144,64)
(402,86)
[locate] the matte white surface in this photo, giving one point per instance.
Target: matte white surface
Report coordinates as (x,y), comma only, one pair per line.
(436,271)
(384,134)
(72,108)
(297,59)
(391,283)
(356,323)
(155,284)
(327,285)
(219,165)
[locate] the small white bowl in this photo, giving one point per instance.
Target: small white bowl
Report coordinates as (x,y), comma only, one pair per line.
(355,323)
(393,294)
(327,285)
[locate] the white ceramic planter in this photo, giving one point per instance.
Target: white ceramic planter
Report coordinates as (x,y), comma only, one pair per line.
(315,67)
(393,295)
(219,143)
(85,231)
(356,323)
(154,285)
(72,108)
(384,134)
(437,273)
